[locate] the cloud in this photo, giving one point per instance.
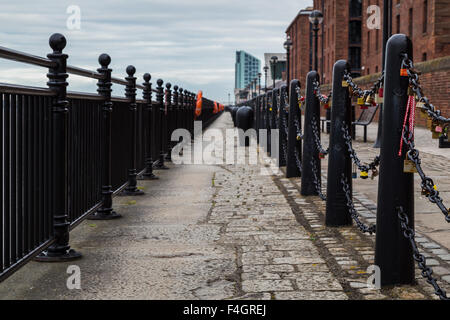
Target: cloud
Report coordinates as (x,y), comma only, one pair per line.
(189,43)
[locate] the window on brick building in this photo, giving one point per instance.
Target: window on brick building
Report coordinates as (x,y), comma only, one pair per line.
(355,57)
(397,21)
(368,42)
(355,31)
(410,24)
(425,16)
(355,8)
(368,70)
(424,56)
(376,69)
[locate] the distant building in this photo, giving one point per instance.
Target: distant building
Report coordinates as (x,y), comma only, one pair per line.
(247,68)
(280,68)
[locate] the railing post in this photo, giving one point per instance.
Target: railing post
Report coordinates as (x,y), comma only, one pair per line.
(393,252)
(339,161)
(130,93)
(60,249)
(106,211)
(294,146)
(182,116)
(310,158)
(161,117)
(149,127)
(176,110)
(192,108)
(169,115)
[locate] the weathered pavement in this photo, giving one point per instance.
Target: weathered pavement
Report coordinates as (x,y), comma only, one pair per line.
(216,232)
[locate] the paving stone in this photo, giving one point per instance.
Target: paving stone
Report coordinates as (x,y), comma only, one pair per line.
(298,260)
(270,268)
(432,262)
(430,245)
(266,285)
(311,295)
(317,281)
(260,276)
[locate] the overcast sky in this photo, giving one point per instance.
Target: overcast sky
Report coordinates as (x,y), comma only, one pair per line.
(191,43)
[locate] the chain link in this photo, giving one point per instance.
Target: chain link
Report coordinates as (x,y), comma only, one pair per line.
(322,98)
(365,168)
(426,271)
(414,82)
(360,92)
(316,136)
(429,189)
(316,180)
(351,207)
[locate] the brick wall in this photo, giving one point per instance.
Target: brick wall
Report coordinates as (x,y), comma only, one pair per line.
(435,81)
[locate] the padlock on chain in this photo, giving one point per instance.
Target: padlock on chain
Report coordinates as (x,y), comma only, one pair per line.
(364,174)
(354,173)
(409,166)
(374,173)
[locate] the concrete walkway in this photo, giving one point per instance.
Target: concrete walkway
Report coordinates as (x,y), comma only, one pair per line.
(229,232)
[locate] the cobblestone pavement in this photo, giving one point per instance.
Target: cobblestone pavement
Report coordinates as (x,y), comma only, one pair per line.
(227,232)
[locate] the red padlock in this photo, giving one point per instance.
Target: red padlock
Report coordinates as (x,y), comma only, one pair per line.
(380,92)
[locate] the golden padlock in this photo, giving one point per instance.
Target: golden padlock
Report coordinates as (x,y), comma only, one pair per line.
(409,166)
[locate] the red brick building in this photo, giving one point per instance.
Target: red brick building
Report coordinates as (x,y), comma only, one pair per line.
(301,58)
(344,34)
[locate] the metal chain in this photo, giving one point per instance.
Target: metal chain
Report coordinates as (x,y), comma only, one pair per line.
(299,95)
(316,181)
(351,207)
(426,271)
(297,128)
(360,92)
(319,95)
(429,189)
(365,168)
(316,136)
(297,160)
(414,82)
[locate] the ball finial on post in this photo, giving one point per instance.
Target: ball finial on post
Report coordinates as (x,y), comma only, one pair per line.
(147,77)
(131,70)
(57,42)
(104,60)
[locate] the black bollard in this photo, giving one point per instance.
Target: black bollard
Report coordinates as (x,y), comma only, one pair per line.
(244,121)
(294,146)
(339,161)
(310,160)
(393,252)
(282,125)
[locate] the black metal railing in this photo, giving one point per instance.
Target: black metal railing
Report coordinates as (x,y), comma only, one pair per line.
(65,155)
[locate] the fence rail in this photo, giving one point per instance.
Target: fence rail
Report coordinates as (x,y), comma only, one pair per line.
(65,155)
